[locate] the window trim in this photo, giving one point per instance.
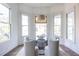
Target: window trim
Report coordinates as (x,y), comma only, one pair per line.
(74,26)
(24,25)
(57,25)
(8,23)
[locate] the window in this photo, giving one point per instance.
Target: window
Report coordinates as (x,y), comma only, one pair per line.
(70,26)
(4,24)
(24,25)
(41,28)
(57,25)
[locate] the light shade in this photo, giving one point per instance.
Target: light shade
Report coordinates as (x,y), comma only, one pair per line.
(41,19)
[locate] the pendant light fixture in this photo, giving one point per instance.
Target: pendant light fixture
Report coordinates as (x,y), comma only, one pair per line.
(41,19)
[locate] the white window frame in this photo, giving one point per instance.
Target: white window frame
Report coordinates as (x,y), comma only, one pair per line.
(8,24)
(25,25)
(73,31)
(57,25)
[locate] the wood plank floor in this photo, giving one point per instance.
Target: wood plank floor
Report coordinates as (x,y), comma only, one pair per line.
(67,51)
(14,51)
(63,51)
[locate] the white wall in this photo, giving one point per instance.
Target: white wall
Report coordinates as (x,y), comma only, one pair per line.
(25,9)
(13,42)
(50,27)
(31,27)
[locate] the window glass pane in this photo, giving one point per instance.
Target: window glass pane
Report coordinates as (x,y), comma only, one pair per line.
(24,20)
(4,32)
(41,29)
(57,25)
(4,14)
(70,22)
(24,25)
(70,37)
(70,30)
(70,25)
(58,28)
(57,20)
(4,24)
(24,30)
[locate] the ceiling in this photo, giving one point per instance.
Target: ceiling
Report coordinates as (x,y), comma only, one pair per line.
(42,4)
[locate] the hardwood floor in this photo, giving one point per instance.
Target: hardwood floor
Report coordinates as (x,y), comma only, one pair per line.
(14,51)
(63,51)
(67,51)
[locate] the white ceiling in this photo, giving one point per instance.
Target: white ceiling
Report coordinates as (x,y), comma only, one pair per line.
(42,4)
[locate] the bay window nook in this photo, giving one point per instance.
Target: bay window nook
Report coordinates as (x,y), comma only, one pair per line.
(39,29)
